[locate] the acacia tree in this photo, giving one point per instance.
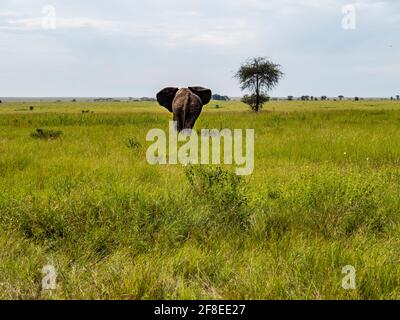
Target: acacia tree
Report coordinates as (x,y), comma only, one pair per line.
(258,75)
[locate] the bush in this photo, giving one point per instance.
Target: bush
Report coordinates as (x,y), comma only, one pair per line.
(46,134)
(223,192)
(251,100)
(133,144)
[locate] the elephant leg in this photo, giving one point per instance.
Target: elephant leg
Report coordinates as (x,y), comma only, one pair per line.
(178,118)
(190,120)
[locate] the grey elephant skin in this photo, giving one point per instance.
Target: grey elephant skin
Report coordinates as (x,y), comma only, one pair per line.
(186,104)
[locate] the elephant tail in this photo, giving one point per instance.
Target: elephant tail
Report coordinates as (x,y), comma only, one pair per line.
(186,106)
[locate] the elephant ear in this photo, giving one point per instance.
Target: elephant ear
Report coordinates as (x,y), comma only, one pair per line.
(166,96)
(204,93)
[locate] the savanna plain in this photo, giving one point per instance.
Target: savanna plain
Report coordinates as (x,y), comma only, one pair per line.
(79,195)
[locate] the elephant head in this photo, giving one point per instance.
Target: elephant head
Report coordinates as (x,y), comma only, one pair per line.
(186,104)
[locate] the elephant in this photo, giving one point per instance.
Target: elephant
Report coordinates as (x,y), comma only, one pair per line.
(186,104)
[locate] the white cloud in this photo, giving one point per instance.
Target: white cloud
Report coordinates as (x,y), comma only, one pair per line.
(34,24)
(9,14)
(224,33)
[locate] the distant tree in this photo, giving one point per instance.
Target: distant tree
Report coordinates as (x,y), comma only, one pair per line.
(397,97)
(1,101)
(290,98)
(324,98)
(391,98)
(258,75)
(341,98)
(218,97)
(356,99)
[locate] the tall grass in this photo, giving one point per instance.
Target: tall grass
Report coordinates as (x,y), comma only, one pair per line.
(325,193)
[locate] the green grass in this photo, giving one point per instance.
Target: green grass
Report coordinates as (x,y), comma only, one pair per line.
(325,193)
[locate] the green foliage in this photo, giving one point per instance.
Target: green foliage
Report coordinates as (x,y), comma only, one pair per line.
(133,144)
(46,134)
(222,190)
(255,102)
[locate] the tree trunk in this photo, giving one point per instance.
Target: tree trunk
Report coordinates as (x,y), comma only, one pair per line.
(257,95)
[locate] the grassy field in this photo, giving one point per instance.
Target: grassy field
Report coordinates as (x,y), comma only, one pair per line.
(325,193)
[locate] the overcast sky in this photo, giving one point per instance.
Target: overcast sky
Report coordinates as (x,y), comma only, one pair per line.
(134,48)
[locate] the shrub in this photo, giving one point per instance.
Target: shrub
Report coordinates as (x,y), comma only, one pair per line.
(133,144)
(223,192)
(46,134)
(254,103)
